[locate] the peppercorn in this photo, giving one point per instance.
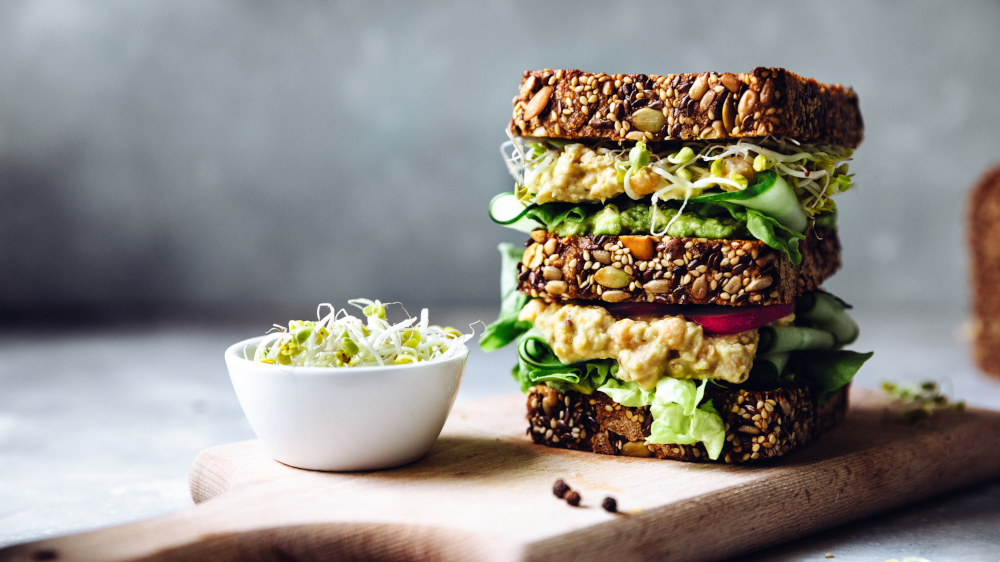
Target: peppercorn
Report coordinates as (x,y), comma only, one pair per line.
(560,488)
(610,505)
(573,498)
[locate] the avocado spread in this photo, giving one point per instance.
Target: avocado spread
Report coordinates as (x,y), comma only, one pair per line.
(629,217)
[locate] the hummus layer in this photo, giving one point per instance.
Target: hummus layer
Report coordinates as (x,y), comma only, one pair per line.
(583,174)
(647,348)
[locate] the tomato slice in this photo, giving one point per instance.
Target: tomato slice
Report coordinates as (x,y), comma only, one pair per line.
(714,319)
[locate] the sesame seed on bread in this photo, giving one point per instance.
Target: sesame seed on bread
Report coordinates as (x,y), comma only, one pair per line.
(759,424)
(668,270)
(570,104)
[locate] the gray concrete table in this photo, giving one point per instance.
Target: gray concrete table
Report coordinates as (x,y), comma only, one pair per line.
(100,427)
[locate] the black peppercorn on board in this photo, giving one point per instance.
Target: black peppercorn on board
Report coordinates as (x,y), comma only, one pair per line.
(485,492)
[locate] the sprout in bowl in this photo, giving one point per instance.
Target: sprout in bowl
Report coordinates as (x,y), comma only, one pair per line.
(341,340)
(385,410)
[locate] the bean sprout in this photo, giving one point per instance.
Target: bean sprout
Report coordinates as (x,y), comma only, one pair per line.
(338,339)
(810,169)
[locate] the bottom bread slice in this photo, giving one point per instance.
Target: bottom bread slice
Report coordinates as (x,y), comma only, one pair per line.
(759,424)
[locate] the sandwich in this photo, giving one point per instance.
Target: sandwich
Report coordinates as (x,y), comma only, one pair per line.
(668,300)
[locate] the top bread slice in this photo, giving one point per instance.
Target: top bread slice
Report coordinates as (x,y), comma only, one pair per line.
(571,104)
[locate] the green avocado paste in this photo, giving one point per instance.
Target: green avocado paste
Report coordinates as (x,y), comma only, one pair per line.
(697,221)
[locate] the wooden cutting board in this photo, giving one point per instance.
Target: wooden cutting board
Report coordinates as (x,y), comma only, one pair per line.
(484,493)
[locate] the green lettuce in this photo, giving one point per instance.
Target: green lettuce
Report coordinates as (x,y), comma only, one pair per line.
(627,393)
(507,327)
(677,417)
(767,230)
(538,364)
(827,371)
(553,214)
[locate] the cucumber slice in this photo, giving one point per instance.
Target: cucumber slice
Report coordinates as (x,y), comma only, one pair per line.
(779,339)
(507,210)
(768,368)
(772,196)
(826,312)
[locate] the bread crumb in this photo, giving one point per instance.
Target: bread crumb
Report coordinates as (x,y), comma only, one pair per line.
(829,555)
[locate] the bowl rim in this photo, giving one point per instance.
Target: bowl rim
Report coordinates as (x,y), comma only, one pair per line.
(235,350)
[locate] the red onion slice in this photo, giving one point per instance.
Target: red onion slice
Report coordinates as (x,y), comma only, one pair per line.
(714,319)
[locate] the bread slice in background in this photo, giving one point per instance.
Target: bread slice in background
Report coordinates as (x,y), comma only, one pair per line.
(984,241)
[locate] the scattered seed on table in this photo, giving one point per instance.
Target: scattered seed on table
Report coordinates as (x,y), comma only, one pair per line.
(560,488)
(610,505)
(573,498)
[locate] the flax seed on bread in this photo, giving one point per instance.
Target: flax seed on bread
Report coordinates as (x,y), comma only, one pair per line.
(571,104)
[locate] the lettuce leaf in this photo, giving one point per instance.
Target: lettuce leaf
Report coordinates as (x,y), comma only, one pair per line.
(553,214)
(828,370)
(627,393)
(677,416)
(772,233)
(768,230)
(537,363)
(583,377)
(825,371)
(507,327)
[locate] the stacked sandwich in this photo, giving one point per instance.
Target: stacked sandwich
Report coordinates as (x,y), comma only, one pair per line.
(667,303)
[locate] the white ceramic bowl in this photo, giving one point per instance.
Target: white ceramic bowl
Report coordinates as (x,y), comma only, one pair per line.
(347,418)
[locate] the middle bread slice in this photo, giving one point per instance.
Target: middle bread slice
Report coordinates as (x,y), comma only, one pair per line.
(669,270)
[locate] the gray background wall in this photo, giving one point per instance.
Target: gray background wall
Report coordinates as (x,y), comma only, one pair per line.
(181,156)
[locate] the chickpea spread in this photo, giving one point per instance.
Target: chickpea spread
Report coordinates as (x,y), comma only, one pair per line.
(647,348)
(583,174)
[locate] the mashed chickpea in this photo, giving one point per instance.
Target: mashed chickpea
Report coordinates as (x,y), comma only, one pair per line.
(582,174)
(647,348)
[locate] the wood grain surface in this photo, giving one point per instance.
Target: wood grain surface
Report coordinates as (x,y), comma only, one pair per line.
(484,493)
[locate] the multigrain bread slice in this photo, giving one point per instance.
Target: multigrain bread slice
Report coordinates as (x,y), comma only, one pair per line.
(760,424)
(984,240)
(571,104)
(670,270)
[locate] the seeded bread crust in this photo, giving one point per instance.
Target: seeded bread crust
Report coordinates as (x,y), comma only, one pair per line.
(668,270)
(984,241)
(759,424)
(571,104)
